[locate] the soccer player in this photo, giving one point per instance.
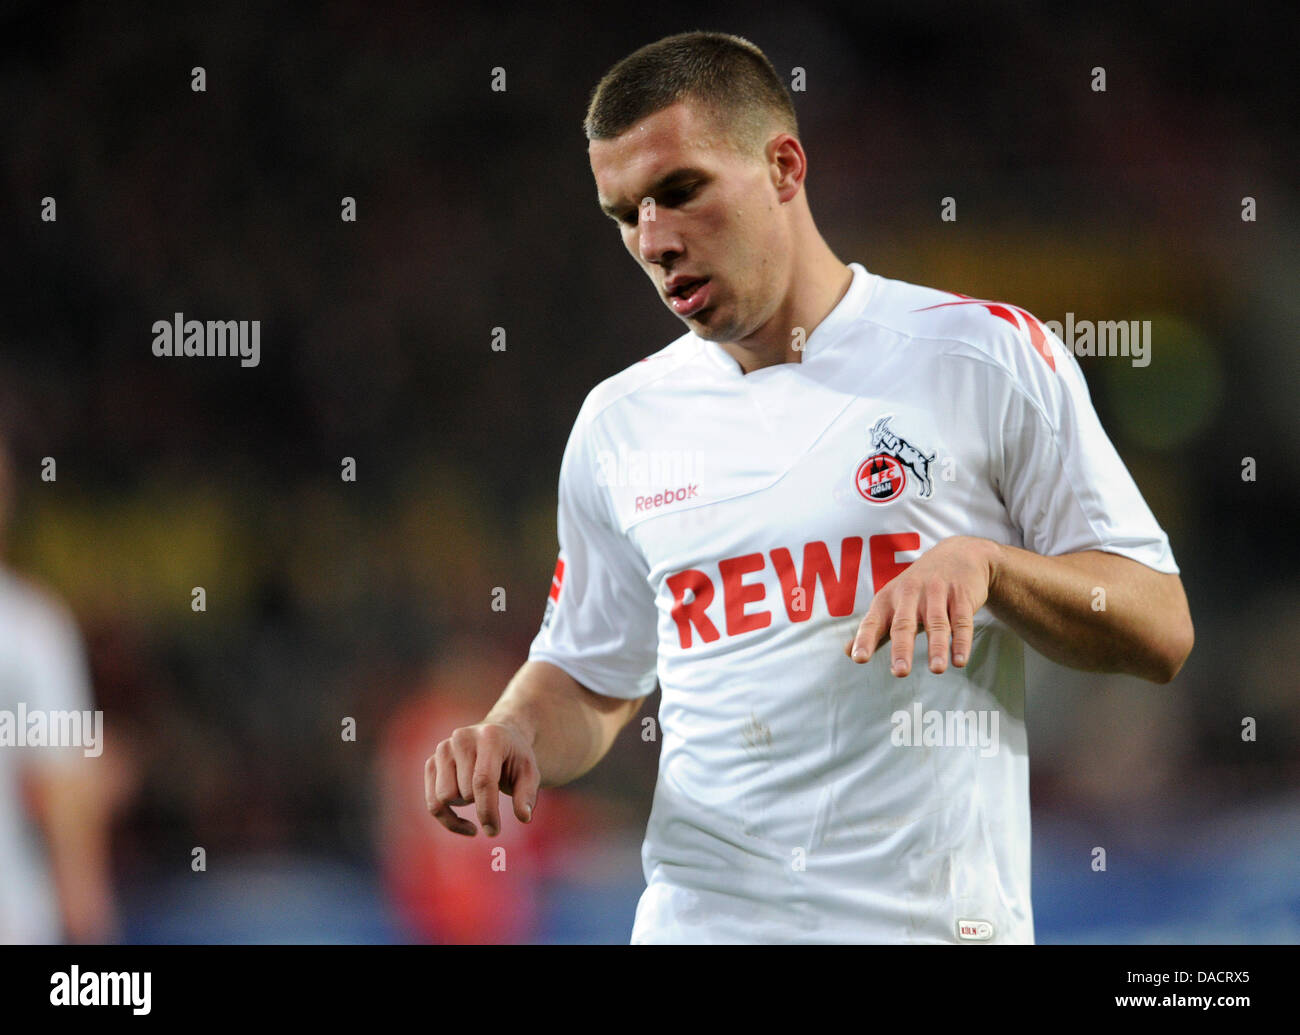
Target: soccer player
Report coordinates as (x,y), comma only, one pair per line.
(824,519)
(55,804)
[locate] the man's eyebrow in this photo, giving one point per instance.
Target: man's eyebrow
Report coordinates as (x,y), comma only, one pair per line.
(670,179)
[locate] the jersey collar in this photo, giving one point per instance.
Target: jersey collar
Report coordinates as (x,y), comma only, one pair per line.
(824,335)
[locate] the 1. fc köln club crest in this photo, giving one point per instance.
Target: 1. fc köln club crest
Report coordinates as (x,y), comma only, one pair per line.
(882,476)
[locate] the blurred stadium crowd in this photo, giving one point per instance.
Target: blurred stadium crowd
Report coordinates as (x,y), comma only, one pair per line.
(372,600)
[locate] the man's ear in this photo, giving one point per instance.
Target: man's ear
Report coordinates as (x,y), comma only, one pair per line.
(788,165)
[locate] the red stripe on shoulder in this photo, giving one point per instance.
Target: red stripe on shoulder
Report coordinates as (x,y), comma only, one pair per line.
(1006,311)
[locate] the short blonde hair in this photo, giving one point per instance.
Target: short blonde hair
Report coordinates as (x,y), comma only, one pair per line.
(729,76)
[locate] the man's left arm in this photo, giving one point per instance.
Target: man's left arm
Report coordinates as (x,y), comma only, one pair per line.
(1089,610)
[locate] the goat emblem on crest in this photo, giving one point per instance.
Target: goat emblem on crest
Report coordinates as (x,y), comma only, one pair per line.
(882,476)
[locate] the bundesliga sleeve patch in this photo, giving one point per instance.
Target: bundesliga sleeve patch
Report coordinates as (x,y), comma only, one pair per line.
(553,598)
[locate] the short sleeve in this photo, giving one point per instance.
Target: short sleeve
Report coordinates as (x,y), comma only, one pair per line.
(600,624)
(1064,485)
(53,659)
(45,663)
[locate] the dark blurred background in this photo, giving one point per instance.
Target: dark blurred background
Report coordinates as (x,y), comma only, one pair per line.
(372,600)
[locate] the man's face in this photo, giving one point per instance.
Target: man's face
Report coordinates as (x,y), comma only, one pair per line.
(716,218)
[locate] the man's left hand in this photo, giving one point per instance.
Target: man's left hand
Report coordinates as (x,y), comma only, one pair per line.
(939,592)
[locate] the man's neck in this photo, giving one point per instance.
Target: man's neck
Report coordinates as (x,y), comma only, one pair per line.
(782,338)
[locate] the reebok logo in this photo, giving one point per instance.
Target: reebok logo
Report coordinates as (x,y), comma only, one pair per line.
(662,499)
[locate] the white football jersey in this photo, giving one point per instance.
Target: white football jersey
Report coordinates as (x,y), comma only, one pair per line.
(724,534)
(43,668)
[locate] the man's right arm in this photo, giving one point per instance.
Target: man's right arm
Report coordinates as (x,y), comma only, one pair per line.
(546,729)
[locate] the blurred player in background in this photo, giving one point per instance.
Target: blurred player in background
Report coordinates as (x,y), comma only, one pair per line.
(54,801)
(826,463)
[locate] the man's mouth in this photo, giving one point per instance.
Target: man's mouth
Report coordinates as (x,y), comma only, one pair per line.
(689,297)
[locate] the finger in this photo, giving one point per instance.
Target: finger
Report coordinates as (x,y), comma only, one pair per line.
(440,790)
(963,630)
(431,780)
(871,633)
(526,786)
(902,630)
(446,791)
(487,777)
(464,749)
(456,824)
(938,630)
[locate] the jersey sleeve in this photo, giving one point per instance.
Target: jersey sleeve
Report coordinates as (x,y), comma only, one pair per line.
(1064,485)
(52,669)
(55,661)
(600,624)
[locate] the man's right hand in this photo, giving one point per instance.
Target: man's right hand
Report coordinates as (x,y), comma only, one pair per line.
(471,765)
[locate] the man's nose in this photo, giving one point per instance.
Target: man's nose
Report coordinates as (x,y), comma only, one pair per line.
(656,238)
